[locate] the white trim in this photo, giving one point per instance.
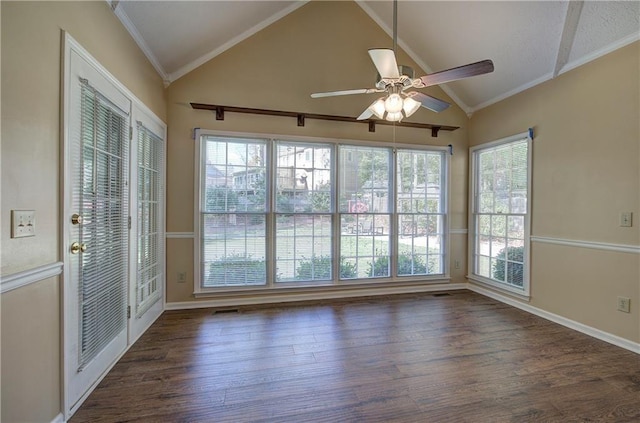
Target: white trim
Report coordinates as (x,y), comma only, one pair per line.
(601,52)
(510,93)
(572,17)
(312,296)
(178,235)
(569,66)
(142,44)
(621,248)
(26,277)
(235,40)
(571,324)
(459,231)
(58,419)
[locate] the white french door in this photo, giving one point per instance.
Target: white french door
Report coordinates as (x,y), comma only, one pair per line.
(147,270)
(96,226)
(113,225)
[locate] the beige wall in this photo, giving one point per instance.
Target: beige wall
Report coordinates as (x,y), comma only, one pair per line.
(279,68)
(30,50)
(586,171)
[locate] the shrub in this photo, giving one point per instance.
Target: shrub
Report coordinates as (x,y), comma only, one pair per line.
(319,267)
(237,269)
(515,267)
(380,266)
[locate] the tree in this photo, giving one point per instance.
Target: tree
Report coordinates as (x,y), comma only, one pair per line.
(220,199)
(320,198)
(373,166)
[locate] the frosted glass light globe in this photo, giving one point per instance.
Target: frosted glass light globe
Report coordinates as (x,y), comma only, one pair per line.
(393,103)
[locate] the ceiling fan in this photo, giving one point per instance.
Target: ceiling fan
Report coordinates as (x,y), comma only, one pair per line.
(394,80)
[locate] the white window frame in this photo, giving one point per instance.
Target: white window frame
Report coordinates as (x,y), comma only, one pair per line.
(523,292)
(271,285)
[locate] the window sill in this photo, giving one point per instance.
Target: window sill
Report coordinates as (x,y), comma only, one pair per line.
(253,295)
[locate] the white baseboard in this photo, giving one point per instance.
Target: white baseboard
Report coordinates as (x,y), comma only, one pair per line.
(571,324)
(313,296)
(58,419)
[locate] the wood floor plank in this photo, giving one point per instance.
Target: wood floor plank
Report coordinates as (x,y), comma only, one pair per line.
(457,358)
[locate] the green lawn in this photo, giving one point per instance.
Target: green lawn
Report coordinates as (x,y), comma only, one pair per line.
(357,250)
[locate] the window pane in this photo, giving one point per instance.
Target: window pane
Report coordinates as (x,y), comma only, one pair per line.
(419,244)
(233,250)
(303,248)
(304,182)
(364,180)
(420,202)
(234,202)
(418,181)
(364,246)
(234,176)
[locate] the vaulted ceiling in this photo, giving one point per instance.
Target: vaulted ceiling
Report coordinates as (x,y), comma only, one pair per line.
(529,41)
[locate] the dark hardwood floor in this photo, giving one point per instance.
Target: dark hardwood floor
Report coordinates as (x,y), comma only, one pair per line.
(456,358)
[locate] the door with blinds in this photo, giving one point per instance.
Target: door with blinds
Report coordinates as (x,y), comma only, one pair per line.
(113,226)
(147,229)
(96,278)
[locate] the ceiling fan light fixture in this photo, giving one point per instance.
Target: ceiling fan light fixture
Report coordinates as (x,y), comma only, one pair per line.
(393,103)
(378,108)
(410,106)
(394,117)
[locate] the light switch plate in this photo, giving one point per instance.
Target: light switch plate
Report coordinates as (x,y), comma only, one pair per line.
(626,219)
(23,223)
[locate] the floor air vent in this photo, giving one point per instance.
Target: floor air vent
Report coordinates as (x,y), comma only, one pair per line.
(441,294)
(226,310)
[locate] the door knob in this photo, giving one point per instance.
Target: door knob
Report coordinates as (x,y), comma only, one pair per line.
(76,219)
(76,248)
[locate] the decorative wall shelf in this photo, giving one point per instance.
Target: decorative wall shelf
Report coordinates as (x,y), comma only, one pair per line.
(220,111)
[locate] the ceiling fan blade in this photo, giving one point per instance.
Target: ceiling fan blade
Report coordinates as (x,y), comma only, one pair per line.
(385,61)
(428,102)
(453,74)
(366,114)
(344,92)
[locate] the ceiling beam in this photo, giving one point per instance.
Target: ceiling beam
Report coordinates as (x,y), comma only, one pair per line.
(571,20)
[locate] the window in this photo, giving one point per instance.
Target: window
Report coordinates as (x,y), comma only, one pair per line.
(501,186)
(233,212)
(421,212)
(304,189)
(285,213)
(365,212)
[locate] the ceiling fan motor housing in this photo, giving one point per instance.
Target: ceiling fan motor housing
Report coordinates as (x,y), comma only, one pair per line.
(405,80)
(402,69)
